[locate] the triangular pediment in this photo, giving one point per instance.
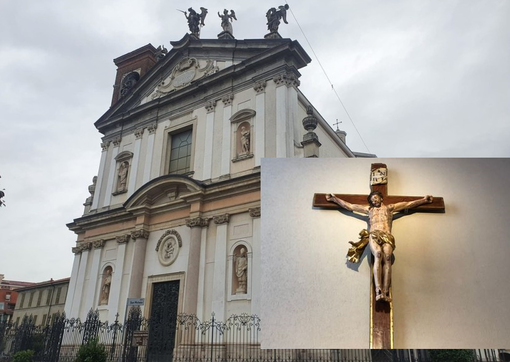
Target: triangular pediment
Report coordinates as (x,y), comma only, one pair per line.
(194,64)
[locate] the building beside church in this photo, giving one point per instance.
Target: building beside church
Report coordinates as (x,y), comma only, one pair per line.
(41,301)
(174,212)
(9,297)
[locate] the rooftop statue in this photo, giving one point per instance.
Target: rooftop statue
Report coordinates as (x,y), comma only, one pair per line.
(274,16)
(195,20)
(226,19)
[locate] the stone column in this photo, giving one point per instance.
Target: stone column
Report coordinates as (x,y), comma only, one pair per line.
(208,142)
(91,298)
(139,237)
(115,304)
(286,112)
(136,161)
(78,310)
(227,131)
(220,266)
(150,150)
(72,284)
(111,174)
(100,176)
(193,270)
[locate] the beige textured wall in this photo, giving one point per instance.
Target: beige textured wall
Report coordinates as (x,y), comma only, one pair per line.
(450,281)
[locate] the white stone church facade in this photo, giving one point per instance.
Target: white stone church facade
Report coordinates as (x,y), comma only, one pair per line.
(177,196)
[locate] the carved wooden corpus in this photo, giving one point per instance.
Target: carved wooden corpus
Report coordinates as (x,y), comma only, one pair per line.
(381,313)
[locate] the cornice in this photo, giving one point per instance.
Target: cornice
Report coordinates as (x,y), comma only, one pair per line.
(212,192)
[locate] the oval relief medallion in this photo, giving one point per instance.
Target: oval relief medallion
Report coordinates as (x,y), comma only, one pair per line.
(168,247)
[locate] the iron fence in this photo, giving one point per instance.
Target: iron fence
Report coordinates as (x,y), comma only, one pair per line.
(189,340)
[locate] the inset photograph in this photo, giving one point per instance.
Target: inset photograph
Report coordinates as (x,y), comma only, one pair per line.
(385,253)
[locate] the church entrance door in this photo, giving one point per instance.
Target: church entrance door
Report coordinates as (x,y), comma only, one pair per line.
(163,319)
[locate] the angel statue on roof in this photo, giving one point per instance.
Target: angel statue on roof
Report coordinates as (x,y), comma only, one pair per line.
(195,20)
(274,16)
(226,19)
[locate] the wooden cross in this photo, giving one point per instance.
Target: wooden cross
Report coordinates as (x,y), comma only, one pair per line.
(381,313)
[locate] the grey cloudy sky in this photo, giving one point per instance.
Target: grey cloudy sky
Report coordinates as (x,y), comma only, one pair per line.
(419,79)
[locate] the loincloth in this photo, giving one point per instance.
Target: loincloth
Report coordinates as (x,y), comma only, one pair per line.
(380,237)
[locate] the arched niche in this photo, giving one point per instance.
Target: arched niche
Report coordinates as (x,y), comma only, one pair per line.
(240,268)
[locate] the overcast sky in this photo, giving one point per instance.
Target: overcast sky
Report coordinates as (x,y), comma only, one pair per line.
(419,79)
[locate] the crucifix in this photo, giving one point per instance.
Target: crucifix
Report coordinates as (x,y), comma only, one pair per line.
(379,208)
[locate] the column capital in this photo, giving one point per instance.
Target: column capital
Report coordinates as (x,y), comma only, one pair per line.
(260,87)
(288,79)
(81,247)
(116,141)
(122,239)
(97,244)
(140,234)
(210,105)
(139,132)
(152,128)
(254,212)
(197,222)
(221,219)
(227,99)
(105,145)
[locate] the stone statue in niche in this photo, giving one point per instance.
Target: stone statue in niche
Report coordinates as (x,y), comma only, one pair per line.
(122,176)
(245,140)
(105,289)
(241,267)
(226,20)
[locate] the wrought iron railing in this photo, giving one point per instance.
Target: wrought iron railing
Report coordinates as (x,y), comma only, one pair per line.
(192,340)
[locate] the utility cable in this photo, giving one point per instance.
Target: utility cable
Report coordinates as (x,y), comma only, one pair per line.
(327,77)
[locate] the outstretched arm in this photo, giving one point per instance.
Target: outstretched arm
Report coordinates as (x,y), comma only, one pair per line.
(412,204)
(347,205)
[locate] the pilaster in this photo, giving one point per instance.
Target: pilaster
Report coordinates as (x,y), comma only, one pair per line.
(208,141)
(286,111)
(227,130)
(111,174)
(220,265)
(257,272)
(136,273)
(193,269)
(135,163)
(95,201)
(150,151)
(78,309)
(114,302)
(72,285)
(260,120)
(91,296)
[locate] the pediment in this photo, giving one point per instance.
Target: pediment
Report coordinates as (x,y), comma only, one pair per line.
(165,190)
(191,64)
(185,72)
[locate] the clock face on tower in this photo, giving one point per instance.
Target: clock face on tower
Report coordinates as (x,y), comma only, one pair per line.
(128,82)
(379,176)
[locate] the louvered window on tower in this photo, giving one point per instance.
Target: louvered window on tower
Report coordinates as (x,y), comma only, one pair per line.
(180,152)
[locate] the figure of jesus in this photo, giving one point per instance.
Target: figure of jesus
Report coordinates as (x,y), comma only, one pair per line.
(382,243)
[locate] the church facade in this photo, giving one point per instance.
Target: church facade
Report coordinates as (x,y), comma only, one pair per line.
(173,220)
